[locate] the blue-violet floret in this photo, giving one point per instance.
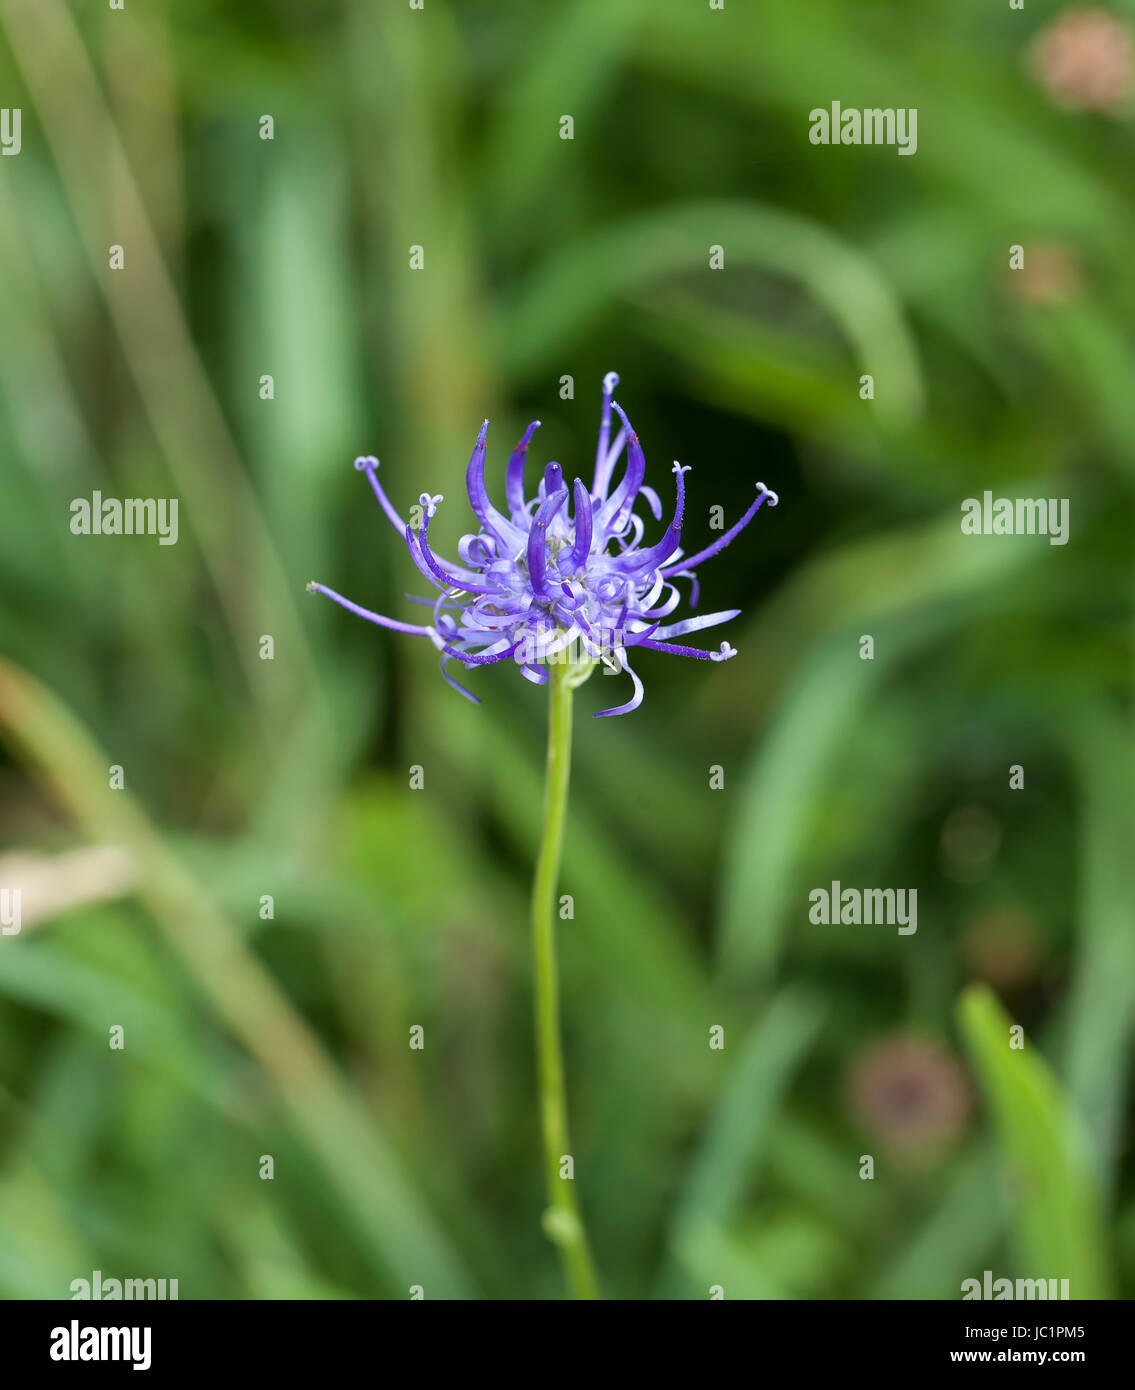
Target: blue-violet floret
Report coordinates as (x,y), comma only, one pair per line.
(566,569)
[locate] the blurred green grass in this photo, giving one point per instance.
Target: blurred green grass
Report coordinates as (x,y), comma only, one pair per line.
(547,258)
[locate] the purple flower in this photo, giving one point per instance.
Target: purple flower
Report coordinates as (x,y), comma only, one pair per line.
(564,568)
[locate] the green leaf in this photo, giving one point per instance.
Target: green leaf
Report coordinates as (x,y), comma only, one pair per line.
(907,588)
(576,286)
(1101,1004)
(1056,1217)
(359,1162)
(739,1126)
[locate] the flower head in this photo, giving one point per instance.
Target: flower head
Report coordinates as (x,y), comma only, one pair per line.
(1085,60)
(563,568)
(1051,274)
(910,1094)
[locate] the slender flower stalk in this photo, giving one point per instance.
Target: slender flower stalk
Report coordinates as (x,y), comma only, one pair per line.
(562,1220)
(556,585)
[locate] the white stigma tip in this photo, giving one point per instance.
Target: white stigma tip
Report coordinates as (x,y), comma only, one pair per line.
(773,499)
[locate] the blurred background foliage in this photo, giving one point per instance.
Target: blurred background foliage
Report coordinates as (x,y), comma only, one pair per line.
(289,777)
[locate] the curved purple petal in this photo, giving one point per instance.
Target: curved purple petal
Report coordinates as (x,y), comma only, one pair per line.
(514,473)
(553,478)
(495,524)
(654,557)
(636,639)
(602,460)
(583,527)
(431,566)
(369,464)
(457,684)
(687,562)
(725,652)
(538,541)
(635,700)
(697,624)
(653,501)
(616,509)
(413,629)
(481,658)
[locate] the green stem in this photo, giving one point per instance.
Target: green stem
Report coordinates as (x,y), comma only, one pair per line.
(562,1220)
